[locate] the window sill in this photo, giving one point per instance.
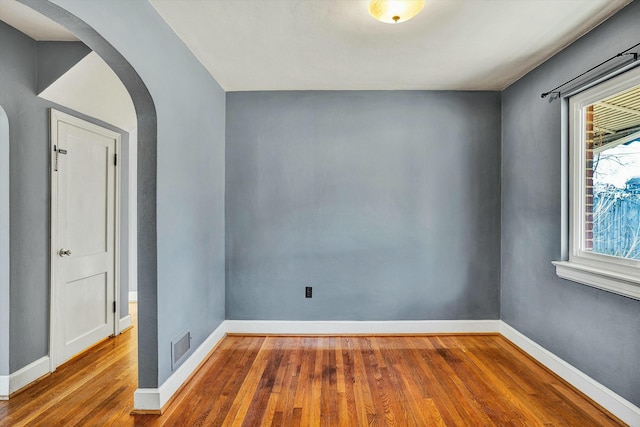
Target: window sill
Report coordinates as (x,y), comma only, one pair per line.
(607,280)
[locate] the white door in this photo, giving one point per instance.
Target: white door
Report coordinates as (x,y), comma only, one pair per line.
(84,235)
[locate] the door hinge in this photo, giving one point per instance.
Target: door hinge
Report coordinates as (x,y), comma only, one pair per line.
(114,306)
(115,159)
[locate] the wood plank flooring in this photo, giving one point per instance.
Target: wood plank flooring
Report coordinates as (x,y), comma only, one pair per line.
(455,380)
(93,389)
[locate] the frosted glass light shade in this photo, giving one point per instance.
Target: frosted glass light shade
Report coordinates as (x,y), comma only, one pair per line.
(395,11)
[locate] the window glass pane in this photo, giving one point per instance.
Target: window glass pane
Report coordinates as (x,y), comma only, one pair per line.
(612,176)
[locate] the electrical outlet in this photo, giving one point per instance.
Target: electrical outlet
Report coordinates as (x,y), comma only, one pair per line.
(308,292)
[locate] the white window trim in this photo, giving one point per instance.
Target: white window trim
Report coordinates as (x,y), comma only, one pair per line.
(613,274)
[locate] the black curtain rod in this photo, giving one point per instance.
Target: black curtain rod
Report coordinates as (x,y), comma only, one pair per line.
(623,53)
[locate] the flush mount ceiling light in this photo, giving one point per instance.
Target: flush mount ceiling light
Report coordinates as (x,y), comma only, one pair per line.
(395,11)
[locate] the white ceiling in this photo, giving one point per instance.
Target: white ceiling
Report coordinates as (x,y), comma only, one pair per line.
(92,88)
(335,44)
(32,23)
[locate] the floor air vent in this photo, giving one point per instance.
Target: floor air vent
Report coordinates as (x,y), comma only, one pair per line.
(179,348)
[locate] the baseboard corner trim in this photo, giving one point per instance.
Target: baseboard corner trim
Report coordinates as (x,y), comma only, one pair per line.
(153,400)
(4,387)
(145,400)
(306,327)
(25,376)
(608,399)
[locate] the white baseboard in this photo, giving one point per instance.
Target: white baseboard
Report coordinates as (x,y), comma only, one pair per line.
(4,387)
(124,323)
(12,383)
(133,296)
(147,399)
(361,327)
(153,399)
(617,405)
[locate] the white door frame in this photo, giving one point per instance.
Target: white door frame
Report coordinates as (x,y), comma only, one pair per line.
(5,249)
(55,117)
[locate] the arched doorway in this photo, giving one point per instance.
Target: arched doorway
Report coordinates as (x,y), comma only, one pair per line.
(181,217)
(146,206)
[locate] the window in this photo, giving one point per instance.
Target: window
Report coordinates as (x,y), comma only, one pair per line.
(604,187)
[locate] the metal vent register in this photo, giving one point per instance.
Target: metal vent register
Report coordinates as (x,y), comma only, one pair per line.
(180,346)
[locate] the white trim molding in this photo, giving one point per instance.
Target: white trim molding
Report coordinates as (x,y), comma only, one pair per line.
(153,399)
(4,387)
(133,296)
(5,265)
(286,327)
(614,403)
(12,383)
(124,323)
(582,264)
(617,283)
(148,399)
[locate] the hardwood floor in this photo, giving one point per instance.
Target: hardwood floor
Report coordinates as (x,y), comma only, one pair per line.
(310,381)
(93,389)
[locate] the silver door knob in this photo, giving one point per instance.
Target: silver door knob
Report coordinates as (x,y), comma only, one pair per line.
(64,252)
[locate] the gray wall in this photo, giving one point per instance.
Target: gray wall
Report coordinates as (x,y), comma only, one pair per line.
(596,331)
(55,59)
(28,115)
(190,108)
(387,203)
(29,198)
